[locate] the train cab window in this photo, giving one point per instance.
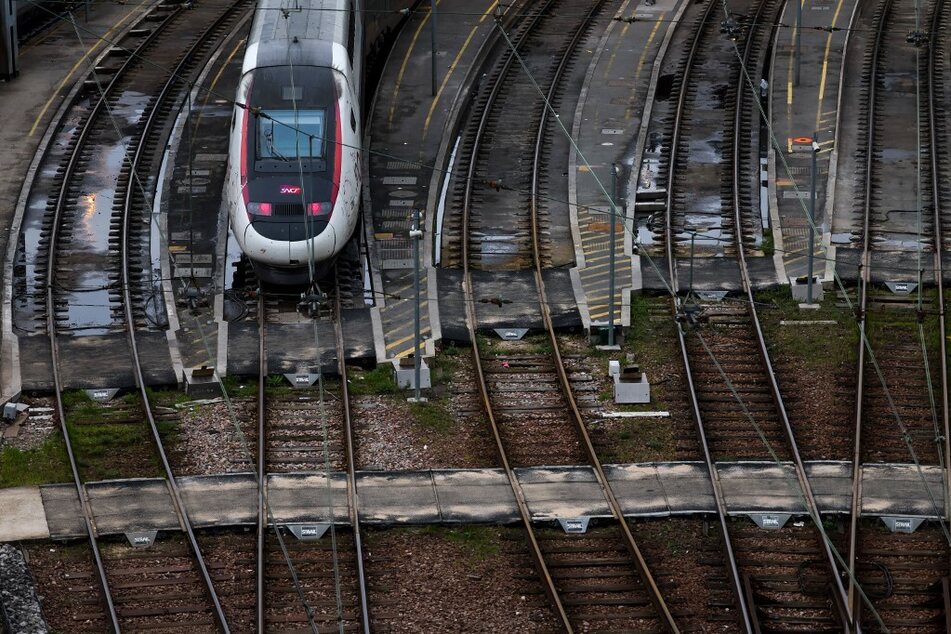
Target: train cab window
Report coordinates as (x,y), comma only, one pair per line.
(287,134)
(352,34)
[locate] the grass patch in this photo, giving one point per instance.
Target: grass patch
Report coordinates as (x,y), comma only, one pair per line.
(239,387)
(642,440)
(769,244)
(432,415)
(817,346)
(479,542)
(640,319)
(372,382)
(105,452)
(44,465)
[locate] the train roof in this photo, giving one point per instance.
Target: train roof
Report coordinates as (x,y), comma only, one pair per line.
(317,25)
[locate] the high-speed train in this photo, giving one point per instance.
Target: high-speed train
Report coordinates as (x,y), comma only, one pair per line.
(294,179)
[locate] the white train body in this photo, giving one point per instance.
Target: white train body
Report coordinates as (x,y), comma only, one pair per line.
(294,165)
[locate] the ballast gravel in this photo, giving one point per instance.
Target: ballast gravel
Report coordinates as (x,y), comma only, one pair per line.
(19,603)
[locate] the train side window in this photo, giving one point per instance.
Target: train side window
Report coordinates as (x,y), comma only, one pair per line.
(353,120)
(352,34)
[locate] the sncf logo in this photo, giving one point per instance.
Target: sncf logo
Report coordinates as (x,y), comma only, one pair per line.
(290,189)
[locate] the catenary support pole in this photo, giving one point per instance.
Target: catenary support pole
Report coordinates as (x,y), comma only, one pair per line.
(812,220)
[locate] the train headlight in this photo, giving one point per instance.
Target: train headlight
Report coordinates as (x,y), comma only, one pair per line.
(260,209)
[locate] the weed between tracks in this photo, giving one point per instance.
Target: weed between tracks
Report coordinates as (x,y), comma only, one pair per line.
(45,464)
(479,542)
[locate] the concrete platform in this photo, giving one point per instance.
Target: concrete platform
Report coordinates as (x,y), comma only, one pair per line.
(406,133)
(467,496)
(49,66)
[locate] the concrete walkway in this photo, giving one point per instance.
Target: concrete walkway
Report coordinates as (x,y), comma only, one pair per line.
(448,496)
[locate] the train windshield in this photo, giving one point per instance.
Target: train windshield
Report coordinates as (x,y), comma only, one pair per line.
(290,134)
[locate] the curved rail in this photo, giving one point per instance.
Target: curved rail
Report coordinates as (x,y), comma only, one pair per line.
(654,591)
(938,9)
(524,513)
(88,522)
(866,277)
(804,484)
(738,590)
(175,77)
(864,281)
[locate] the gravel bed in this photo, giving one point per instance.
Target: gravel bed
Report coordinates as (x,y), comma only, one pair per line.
(35,429)
(208,441)
(623,440)
(450,431)
(472,579)
(679,553)
(19,604)
(67,586)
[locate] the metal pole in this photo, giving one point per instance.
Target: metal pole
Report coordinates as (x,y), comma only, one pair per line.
(613,245)
(416,233)
(432,33)
(798,39)
(693,236)
(812,219)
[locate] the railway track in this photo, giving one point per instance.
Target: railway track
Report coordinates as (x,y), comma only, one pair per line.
(900,582)
(601,580)
(737,406)
(319,585)
(174,588)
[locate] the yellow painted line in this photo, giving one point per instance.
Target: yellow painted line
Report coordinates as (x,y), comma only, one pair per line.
(825,64)
(402,340)
(399,76)
(452,67)
(584,168)
(598,315)
(643,59)
(607,69)
(221,71)
(95,47)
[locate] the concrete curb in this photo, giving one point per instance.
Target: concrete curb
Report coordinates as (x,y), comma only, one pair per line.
(834,156)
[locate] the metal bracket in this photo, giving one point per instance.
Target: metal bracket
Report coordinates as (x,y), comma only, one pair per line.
(574,525)
(102,394)
(141,539)
(302,381)
(511,334)
(903,524)
(770,521)
(308,532)
(902,288)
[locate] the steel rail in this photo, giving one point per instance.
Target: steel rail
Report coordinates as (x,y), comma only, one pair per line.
(864,281)
(88,522)
(524,513)
(260,605)
(738,590)
(937,10)
(175,77)
(352,497)
(657,599)
(804,484)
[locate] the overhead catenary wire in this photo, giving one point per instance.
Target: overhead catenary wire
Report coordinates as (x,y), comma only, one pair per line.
(839,281)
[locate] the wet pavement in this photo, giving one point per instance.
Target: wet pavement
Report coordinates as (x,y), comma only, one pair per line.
(407,137)
(606,126)
(49,66)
